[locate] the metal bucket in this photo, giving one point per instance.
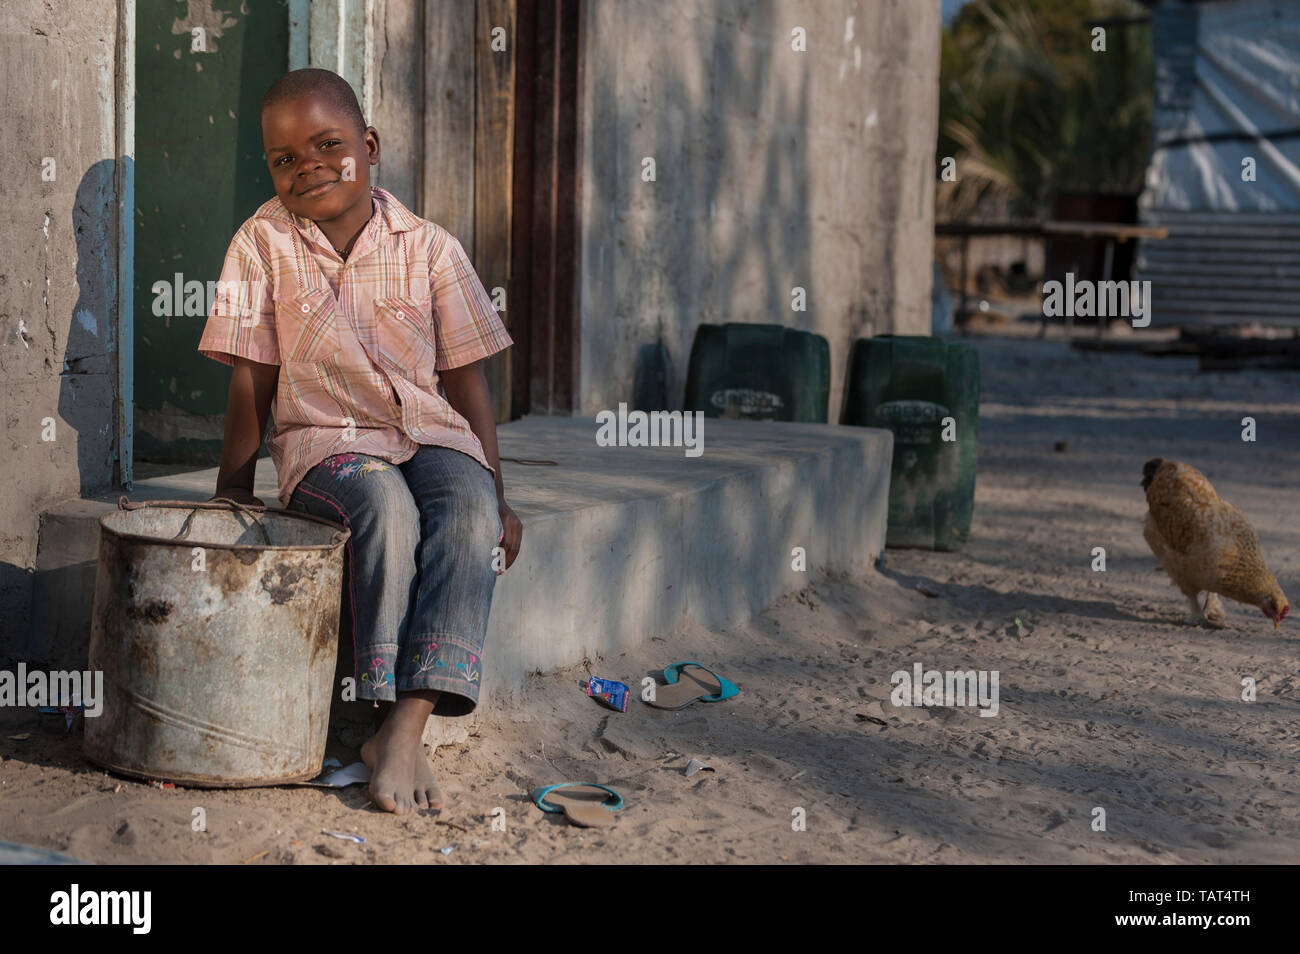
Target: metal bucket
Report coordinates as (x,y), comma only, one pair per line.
(216,630)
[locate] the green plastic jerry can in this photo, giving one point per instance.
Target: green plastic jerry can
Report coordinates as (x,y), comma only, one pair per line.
(925,390)
(763,372)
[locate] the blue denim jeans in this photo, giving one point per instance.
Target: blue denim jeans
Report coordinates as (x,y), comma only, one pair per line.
(418,574)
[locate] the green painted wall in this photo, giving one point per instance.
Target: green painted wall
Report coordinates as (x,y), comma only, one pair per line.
(199,173)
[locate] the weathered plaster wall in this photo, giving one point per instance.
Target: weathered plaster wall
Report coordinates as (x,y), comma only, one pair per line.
(58,274)
(775,169)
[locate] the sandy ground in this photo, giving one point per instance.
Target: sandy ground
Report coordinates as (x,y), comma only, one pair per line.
(1108,698)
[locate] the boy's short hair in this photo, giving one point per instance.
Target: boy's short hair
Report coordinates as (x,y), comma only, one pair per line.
(333,87)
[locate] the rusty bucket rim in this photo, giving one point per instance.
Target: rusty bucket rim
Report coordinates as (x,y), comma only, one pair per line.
(340,537)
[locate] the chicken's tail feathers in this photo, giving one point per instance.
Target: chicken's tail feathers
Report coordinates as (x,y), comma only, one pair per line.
(1149,471)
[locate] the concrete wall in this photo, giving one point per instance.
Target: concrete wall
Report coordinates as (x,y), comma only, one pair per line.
(58,276)
(775,169)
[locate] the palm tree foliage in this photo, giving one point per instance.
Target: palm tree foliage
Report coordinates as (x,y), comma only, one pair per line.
(1028,108)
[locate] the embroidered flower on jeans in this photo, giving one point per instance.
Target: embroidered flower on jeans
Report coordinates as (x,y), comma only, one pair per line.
(469,672)
(376,675)
(428,658)
(351,465)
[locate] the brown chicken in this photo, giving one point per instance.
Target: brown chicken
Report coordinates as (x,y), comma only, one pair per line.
(1206,544)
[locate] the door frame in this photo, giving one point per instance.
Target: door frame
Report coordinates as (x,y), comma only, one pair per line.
(546,208)
(124,174)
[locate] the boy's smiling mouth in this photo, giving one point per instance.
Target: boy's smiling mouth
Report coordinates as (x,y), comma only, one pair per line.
(317,190)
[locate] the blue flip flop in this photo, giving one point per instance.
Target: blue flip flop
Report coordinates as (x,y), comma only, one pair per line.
(694,687)
(587,804)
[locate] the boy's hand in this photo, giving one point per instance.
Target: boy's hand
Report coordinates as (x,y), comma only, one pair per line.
(240,495)
(513,529)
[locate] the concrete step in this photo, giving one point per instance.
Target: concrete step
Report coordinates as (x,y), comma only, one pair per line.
(620,543)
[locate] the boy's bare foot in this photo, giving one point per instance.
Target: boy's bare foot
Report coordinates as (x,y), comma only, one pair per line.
(392,773)
(427,792)
(401,780)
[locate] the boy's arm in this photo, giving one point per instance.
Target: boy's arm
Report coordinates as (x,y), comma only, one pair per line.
(252,387)
(467,392)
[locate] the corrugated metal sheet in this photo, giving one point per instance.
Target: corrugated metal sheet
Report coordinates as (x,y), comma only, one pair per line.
(1226,109)
(1223,268)
(1224,176)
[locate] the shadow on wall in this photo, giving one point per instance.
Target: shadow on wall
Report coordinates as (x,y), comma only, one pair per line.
(789,207)
(87,375)
(675,271)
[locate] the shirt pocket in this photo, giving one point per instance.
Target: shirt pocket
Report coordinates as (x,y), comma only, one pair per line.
(407,346)
(307,326)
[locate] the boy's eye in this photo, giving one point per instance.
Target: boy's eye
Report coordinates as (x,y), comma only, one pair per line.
(325,144)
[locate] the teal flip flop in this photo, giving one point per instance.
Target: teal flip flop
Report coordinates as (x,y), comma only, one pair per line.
(586,804)
(705,686)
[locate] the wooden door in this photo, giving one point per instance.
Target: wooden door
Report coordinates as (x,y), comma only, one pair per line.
(505,120)
(546,208)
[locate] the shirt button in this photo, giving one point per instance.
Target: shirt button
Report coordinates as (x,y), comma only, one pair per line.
(306,307)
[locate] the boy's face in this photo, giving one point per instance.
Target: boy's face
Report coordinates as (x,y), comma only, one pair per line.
(319,161)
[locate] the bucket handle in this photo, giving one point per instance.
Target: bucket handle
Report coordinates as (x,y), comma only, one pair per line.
(123,503)
(252,515)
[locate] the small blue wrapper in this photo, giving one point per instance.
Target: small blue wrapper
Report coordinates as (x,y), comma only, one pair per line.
(614,694)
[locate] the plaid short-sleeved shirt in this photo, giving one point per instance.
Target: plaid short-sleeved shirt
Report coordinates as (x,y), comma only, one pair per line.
(359,342)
